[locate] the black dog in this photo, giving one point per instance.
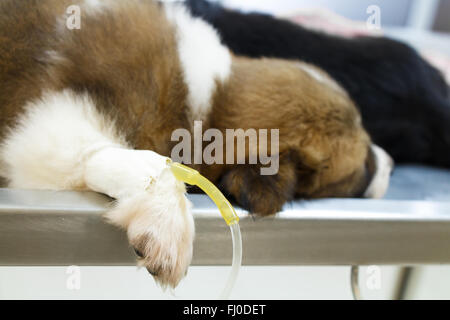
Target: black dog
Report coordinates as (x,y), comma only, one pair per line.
(404,101)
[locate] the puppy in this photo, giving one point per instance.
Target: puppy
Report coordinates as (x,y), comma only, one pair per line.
(95,107)
(403,100)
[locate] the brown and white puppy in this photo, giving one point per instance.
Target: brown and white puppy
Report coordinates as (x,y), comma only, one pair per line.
(94,108)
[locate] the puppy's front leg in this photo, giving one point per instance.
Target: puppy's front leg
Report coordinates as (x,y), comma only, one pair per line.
(152,208)
(62,142)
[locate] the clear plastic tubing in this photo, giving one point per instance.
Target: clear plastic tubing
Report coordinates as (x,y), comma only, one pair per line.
(237,261)
(193,177)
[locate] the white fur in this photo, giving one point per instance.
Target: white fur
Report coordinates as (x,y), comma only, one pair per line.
(96,6)
(121,173)
(313,72)
(380,181)
(63,142)
(48,147)
(320,76)
(161,217)
(52,56)
(203,58)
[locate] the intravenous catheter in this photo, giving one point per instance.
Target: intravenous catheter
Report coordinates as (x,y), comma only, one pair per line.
(193,177)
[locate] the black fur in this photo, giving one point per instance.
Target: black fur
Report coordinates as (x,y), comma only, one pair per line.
(404,101)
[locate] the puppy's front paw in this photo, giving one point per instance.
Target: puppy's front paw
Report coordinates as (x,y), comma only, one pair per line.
(260,195)
(160,227)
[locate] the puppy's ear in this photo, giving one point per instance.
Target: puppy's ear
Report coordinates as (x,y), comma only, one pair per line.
(261,194)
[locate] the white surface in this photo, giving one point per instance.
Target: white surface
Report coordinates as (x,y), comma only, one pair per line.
(423,13)
(392,12)
(205,283)
(201,283)
(421,39)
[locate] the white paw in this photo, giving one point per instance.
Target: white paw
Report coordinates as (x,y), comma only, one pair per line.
(160,227)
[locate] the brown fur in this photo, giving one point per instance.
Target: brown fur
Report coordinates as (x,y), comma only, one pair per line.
(323,146)
(135,80)
(128,63)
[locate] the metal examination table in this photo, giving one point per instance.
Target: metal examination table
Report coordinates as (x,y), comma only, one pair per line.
(410,226)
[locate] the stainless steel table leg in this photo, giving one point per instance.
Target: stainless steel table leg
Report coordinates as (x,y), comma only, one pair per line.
(403,282)
(354,282)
